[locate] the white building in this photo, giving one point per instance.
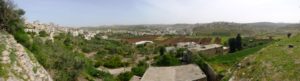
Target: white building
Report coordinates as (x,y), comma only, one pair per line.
(143,42)
(210,49)
(104,37)
(186,44)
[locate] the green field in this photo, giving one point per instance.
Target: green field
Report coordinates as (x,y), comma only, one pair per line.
(224,62)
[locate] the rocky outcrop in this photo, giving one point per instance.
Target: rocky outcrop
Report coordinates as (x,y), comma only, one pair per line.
(18,64)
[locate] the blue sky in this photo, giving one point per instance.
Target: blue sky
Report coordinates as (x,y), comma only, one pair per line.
(123,12)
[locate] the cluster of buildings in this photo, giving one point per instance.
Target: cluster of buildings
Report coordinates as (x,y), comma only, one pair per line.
(203,46)
(146,32)
(53,29)
(148,29)
(204,49)
(189,72)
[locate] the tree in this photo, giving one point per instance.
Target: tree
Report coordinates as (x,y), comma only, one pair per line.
(162,50)
(167,60)
(238,42)
(126,76)
(10,16)
(180,52)
(43,34)
(68,41)
(232,45)
(218,40)
(289,35)
(140,69)
(187,57)
(114,62)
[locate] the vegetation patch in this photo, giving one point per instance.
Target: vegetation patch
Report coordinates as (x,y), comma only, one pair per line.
(3,71)
(223,62)
(167,60)
(275,62)
(140,69)
(34,69)
(31,56)
(12,57)
(19,75)
(126,76)
(114,62)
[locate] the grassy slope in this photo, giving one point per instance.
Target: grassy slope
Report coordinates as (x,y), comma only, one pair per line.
(224,62)
(276,62)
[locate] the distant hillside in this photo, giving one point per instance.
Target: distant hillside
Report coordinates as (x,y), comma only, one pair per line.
(277,62)
(214,28)
(229,28)
(268,24)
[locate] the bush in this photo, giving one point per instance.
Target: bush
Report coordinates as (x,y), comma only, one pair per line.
(101,53)
(100,74)
(140,69)
(114,62)
(199,60)
(167,60)
(68,41)
(106,76)
(86,50)
(22,38)
(125,76)
(94,72)
(98,64)
(43,34)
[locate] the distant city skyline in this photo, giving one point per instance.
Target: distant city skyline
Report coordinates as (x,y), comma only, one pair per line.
(130,12)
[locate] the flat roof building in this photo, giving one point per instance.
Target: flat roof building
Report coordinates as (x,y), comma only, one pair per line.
(188,72)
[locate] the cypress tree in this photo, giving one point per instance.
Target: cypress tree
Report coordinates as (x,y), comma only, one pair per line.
(232,45)
(239,42)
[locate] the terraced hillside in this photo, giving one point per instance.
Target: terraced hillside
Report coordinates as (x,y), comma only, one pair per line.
(277,62)
(18,64)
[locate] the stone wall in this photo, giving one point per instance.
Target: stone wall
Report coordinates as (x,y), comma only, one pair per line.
(18,63)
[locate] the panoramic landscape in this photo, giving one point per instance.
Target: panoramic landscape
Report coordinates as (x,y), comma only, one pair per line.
(149,40)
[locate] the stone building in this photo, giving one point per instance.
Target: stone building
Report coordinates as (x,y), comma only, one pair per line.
(188,72)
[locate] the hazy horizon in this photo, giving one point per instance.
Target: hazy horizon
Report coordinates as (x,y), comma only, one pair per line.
(134,12)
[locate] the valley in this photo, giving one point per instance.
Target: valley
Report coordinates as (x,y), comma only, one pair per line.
(32,50)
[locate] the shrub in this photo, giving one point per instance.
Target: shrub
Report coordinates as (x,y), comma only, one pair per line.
(43,34)
(125,76)
(140,69)
(106,76)
(22,38)
(86,49)
(94,72)
(167,60)
(114,62)
(68,41)
(98,64)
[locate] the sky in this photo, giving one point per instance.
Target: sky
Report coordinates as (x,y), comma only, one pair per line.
(129,12)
